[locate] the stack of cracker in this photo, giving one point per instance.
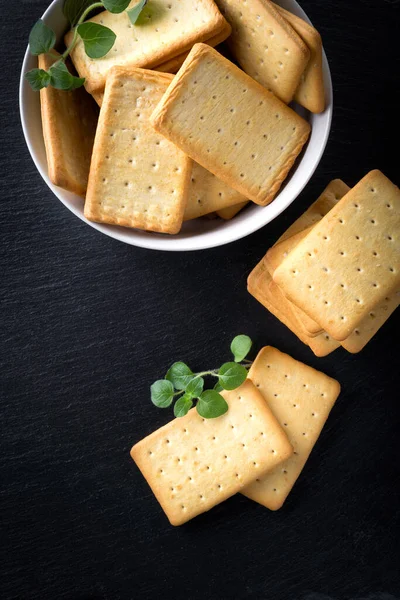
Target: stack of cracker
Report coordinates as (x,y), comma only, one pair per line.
(258,448)
(334,277)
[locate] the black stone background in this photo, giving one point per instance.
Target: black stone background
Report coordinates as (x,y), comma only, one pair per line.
(87,323)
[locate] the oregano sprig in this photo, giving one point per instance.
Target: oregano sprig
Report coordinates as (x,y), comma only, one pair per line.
(97,40)
(185,387)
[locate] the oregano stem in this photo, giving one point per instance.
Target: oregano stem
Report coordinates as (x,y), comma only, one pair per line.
(214,372)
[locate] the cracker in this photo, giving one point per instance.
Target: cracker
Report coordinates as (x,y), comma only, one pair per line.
(231,211)
(301,399)
(265,45)
(310,92)
(262,287)
(350,261)
(334,191)
(164,29)
(69,121)
(192,464)
(230,124)
(207,194)
(137,178)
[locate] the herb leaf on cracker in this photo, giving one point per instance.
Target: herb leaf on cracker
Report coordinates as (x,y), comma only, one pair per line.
(134,13)
(97,39)
(190,386)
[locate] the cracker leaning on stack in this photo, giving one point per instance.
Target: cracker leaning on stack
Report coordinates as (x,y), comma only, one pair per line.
(242,140)
(334,277)
(259,447)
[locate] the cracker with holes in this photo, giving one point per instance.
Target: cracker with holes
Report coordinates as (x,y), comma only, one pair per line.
(137,177)
(301,399)
(69,121)
(261,286)
(164,29)
(207,194)
(192,464)
(350,261)
(265,45)
(310,92)
(230,124)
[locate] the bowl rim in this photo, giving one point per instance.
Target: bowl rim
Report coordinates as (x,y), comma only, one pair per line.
(198,241)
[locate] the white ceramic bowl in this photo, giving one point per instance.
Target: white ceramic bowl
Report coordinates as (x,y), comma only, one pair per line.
(200,233)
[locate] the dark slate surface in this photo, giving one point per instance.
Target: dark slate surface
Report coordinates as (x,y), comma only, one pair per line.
(87,323)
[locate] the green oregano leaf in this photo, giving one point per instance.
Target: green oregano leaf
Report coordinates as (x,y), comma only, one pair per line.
(240,347)
(73,9)
(38,79)
(62,79)
(134,13)
(116,6)
(183,405)
(211,405)
(218,387)
(162,393)
(41,38)
(98,40)
(195,387)
(179,375)
(231,375)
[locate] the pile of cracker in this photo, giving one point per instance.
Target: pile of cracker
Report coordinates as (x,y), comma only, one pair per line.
(172,146)
(333,278)
(258,447)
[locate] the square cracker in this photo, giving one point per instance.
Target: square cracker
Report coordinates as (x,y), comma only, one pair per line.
(231,211)
(163,30)
(207,194)
(301,399)
(261,286)
(310,93)
(230,124)
(69,121)
(137,177)
(350,261)
(192,464)
(265,45)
